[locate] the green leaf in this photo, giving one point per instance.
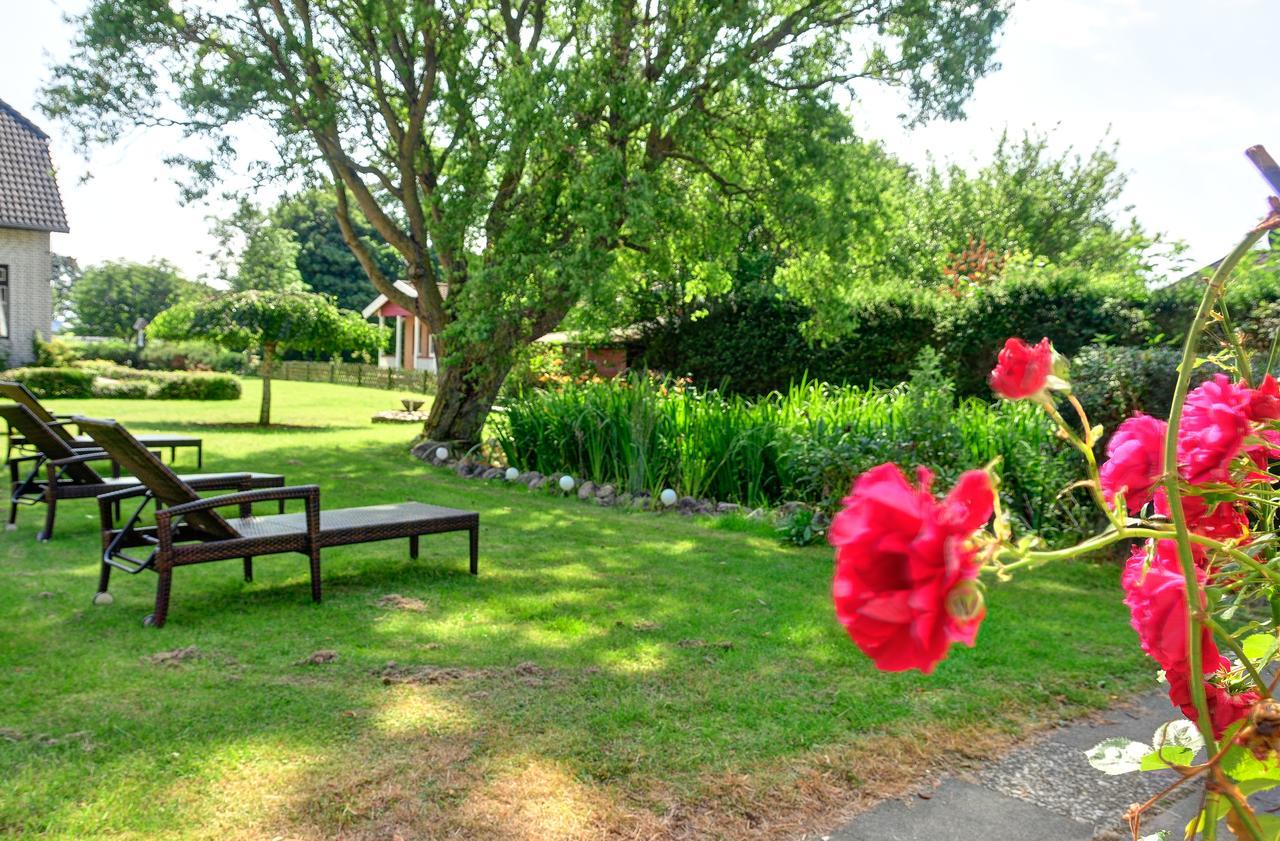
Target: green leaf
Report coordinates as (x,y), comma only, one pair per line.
(1241,765)
(1178,733)
(1117,756)
(1259,647)
(1170,756)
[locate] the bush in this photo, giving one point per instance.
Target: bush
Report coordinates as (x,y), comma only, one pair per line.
(119,351)
(190,355)
(55,353)
(162,385)
(753,342)
(53,382)
(106,387)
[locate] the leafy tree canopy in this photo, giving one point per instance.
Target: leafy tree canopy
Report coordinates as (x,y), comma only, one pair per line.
(324,261)
(511,152)
(110,297)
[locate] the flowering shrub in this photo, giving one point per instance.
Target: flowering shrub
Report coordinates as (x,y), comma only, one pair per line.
(1196,494)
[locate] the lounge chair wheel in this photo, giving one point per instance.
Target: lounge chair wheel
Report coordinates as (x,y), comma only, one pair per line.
(103,599)
(149,621)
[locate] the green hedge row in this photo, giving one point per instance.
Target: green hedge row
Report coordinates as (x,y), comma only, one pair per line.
(104,379)
(754,343)
(156,355)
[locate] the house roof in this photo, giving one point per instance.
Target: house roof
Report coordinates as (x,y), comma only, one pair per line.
(29,197)
(404,286)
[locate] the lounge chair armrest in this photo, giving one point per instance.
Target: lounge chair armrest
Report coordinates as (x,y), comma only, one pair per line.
(311,493)
(78,458)
(107,503)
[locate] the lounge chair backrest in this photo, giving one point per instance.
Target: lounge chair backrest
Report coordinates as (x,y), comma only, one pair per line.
(40,436)
(19,393)
(166,485)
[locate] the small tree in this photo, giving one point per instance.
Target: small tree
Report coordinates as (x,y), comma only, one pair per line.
(269,323)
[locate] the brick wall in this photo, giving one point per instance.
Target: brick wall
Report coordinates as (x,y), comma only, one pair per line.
(26,253)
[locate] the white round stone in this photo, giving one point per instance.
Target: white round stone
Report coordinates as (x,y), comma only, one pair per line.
(566,483)
(667,497)
(442,453)
(512,473)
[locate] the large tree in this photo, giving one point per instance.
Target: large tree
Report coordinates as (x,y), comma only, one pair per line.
(509,151)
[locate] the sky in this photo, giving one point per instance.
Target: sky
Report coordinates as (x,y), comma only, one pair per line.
(1184,86)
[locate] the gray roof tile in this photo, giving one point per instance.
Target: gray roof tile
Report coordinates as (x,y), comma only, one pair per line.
(29,195)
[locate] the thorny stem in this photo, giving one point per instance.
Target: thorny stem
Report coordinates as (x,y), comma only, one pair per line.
(1176,514)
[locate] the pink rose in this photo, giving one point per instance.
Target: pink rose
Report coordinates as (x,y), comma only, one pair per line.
(1022,370)
(1220,521)
(1135,460)
(1215,422)
(904,581)
(1225,709)
(1155,592)
(1264,401)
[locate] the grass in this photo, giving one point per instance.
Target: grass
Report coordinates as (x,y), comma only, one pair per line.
(608,674)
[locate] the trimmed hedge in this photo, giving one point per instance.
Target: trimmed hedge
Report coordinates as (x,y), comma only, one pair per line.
(119,381)
(160,355)
(53,382)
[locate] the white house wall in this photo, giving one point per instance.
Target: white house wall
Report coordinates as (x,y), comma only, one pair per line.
(26,253)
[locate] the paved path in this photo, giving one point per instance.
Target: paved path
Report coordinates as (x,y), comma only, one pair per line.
(1044,790)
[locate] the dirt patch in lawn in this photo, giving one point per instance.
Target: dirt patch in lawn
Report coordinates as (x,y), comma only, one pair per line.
(174,657)
(395,601)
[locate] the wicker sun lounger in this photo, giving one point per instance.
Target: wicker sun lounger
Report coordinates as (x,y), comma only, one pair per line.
(69,474)
(19,393)
(189,530)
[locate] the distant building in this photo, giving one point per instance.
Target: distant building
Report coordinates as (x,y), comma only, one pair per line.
(30,209)
(414,347)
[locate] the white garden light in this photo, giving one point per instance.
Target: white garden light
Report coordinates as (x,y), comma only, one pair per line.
(512,473)
(566,483)
(442,453)
(667,497)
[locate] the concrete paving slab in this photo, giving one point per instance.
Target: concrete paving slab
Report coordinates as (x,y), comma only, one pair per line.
(961,811)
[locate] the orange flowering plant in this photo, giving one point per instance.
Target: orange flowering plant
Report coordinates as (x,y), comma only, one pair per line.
(1195,497)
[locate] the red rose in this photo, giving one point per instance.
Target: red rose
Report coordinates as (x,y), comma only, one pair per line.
(1155,592)
(1215,422)
(904,581)
(1221,521)
(1264,401)
(1135,460)
(1225,709)
(1022,370)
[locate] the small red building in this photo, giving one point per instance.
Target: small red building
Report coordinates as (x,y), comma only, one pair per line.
(415,346)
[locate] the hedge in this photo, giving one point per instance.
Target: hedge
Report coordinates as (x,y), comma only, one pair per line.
(53,382)
(161,385)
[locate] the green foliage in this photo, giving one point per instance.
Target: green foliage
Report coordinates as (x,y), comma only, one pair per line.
(190,355)
(324,261)
(110,297)
(53,382)
(119,351)
(255,253)
(808,444)
(1114,382)
(55,353)
(279,320)
(121,381)
(65,271)
(754,342)
(559,135)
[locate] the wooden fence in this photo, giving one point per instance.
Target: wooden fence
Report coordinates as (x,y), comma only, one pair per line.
(349,373)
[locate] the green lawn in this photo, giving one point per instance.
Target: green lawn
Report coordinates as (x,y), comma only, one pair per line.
(608,674)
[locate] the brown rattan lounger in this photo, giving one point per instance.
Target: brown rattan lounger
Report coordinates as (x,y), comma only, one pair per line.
(189,530)
(69,474)
(19,393)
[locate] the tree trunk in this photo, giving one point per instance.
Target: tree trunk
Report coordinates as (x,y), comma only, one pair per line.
(268,362)
(465,392)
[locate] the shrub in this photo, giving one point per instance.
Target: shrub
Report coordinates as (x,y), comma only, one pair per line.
(119,351)
(1114,382)
(55,353)
(106,387)
(54,382)
(163,385)
(190,355)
